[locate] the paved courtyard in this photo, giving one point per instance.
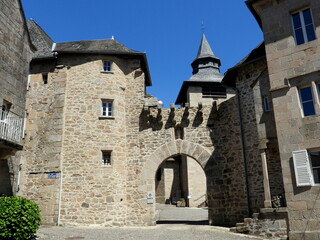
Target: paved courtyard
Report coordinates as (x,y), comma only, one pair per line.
(173,214)
(172,224)
(159,232)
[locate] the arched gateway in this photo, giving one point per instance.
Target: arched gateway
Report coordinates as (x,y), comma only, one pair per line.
(173,148)
(168,150)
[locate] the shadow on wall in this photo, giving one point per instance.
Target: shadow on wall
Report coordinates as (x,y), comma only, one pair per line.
(5,179)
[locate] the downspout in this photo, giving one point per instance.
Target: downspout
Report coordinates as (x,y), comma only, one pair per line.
(18,180)
(60,196)
(244,154)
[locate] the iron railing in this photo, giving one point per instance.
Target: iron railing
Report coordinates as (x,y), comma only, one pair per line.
(11,127)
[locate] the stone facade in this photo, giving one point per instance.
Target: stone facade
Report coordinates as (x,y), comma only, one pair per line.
(66,135)
(292,67)
(16,52)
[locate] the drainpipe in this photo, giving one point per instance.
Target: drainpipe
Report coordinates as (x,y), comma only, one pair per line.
(60,196)
(18,180)
(244,154)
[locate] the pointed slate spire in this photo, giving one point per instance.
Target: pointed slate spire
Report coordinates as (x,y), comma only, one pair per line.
(205,51)
(206,65)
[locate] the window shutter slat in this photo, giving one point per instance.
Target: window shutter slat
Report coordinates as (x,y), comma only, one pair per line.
(302,168)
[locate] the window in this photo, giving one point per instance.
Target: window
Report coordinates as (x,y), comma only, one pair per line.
(306,167)
(307,103)
(266,104)
(106,66)
(214,92)
(106,108)
(315,165)
(5,108)
(45,78)
(303,26)
(106,157)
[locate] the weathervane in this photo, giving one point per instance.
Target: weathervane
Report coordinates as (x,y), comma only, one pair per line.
(202,27)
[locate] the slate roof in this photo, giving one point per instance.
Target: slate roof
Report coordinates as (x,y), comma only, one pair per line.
(256,54)
(41,40)
(109,46)
(205,50)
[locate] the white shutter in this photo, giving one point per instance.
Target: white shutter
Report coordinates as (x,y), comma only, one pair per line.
(302,168)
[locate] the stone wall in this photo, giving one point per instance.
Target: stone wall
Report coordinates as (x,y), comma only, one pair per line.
(259,132)
(197,184)
(43,139)
(291,67)
(15,55)
(66,136)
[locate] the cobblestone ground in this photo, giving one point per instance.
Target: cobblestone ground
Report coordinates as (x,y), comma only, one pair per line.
(163,231)
(173,224)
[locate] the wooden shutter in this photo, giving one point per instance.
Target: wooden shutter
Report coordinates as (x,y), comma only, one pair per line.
(302,168)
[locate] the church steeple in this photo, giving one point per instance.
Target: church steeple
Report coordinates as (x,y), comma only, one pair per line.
(206,64)
(205,83)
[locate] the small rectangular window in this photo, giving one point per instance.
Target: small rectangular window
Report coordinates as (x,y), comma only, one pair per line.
(45,78)
(106,66)
(303,27)
(307,102)
(213,92)
(106,157)
(106,108)
(266,104)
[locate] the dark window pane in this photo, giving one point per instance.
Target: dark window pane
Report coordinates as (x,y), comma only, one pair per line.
(296,20)
(307,16)
(310,33)
(315,159)
(316,175)
(299,36)
(306,94)
(308,108)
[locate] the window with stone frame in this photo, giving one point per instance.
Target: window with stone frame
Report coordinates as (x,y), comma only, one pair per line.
(307,101)
(106,158)
(303,27)
(106,108)
(106,67)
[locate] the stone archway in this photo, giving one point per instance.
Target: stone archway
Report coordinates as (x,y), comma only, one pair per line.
(173,148)
(170,149)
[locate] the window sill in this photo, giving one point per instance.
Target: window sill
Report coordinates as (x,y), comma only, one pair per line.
(108,72)
(107,166)
(106,117)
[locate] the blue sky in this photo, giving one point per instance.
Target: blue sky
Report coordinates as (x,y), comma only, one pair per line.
(169,31)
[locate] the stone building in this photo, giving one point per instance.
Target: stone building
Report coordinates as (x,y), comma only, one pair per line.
(291,32)
(95,140)
(288,75)
(15,51)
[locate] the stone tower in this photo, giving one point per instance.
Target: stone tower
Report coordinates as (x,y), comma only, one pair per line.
(204,86)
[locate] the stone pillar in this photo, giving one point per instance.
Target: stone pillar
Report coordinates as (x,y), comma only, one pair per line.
(266,184)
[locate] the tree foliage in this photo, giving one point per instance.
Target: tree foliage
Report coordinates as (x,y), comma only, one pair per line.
(19,218)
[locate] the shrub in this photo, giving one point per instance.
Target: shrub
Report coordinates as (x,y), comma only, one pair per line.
(19,218)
